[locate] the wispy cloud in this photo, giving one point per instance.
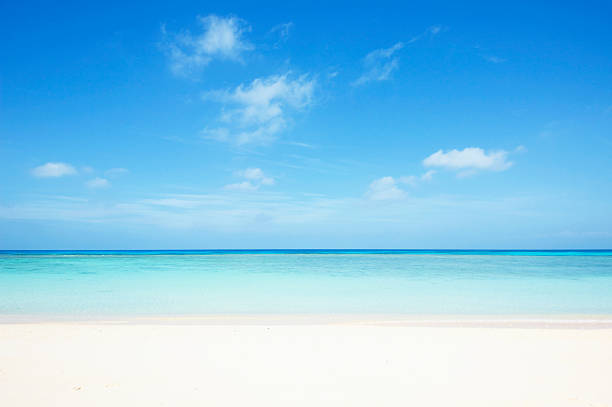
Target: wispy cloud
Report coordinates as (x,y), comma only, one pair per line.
(58,169)
(282,31)
(299,144)
(224,211)
(469,160)
(254,178)
(379,65)
(283,214)
(257,112)
(97,183)
(221,37)
(53,170)
(429,32)
(172,202)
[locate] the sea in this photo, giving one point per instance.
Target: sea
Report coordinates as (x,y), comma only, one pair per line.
(95,284)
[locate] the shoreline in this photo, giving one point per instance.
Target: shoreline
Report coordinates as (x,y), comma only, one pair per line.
(537,321)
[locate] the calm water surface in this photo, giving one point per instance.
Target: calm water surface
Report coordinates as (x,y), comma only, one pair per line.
(107,283)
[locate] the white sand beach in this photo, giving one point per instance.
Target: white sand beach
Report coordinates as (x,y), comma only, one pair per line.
(303,364)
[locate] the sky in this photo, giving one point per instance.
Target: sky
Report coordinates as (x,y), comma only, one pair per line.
(203,125)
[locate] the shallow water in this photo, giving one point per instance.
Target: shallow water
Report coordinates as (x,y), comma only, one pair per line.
(136,283)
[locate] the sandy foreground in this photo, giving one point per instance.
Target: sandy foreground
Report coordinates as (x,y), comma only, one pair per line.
(305,364)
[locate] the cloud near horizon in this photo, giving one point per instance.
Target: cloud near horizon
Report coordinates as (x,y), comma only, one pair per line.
(221,38)
(469,160)
(260,110)
(53,170)
(387,189)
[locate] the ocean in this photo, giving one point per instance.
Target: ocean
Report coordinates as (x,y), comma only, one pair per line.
(86,284)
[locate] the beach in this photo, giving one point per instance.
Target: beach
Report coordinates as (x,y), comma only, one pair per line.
(287,204)
(301,361)
(306,328)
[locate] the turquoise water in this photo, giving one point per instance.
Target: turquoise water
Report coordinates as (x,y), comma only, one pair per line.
(134,283)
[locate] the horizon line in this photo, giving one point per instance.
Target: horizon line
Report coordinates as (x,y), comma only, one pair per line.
(304,249)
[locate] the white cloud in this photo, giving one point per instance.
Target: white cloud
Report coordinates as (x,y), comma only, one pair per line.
(256,174)
(53,170)
(469,160)
(98,183)
(379,64)
(221,37)
(115,172)
(254,179)
(384,189)
(259,111)
(241,186)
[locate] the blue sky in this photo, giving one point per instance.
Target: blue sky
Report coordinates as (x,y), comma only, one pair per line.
(267,125)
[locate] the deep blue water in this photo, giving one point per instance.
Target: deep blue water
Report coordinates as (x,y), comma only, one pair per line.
(131,283)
